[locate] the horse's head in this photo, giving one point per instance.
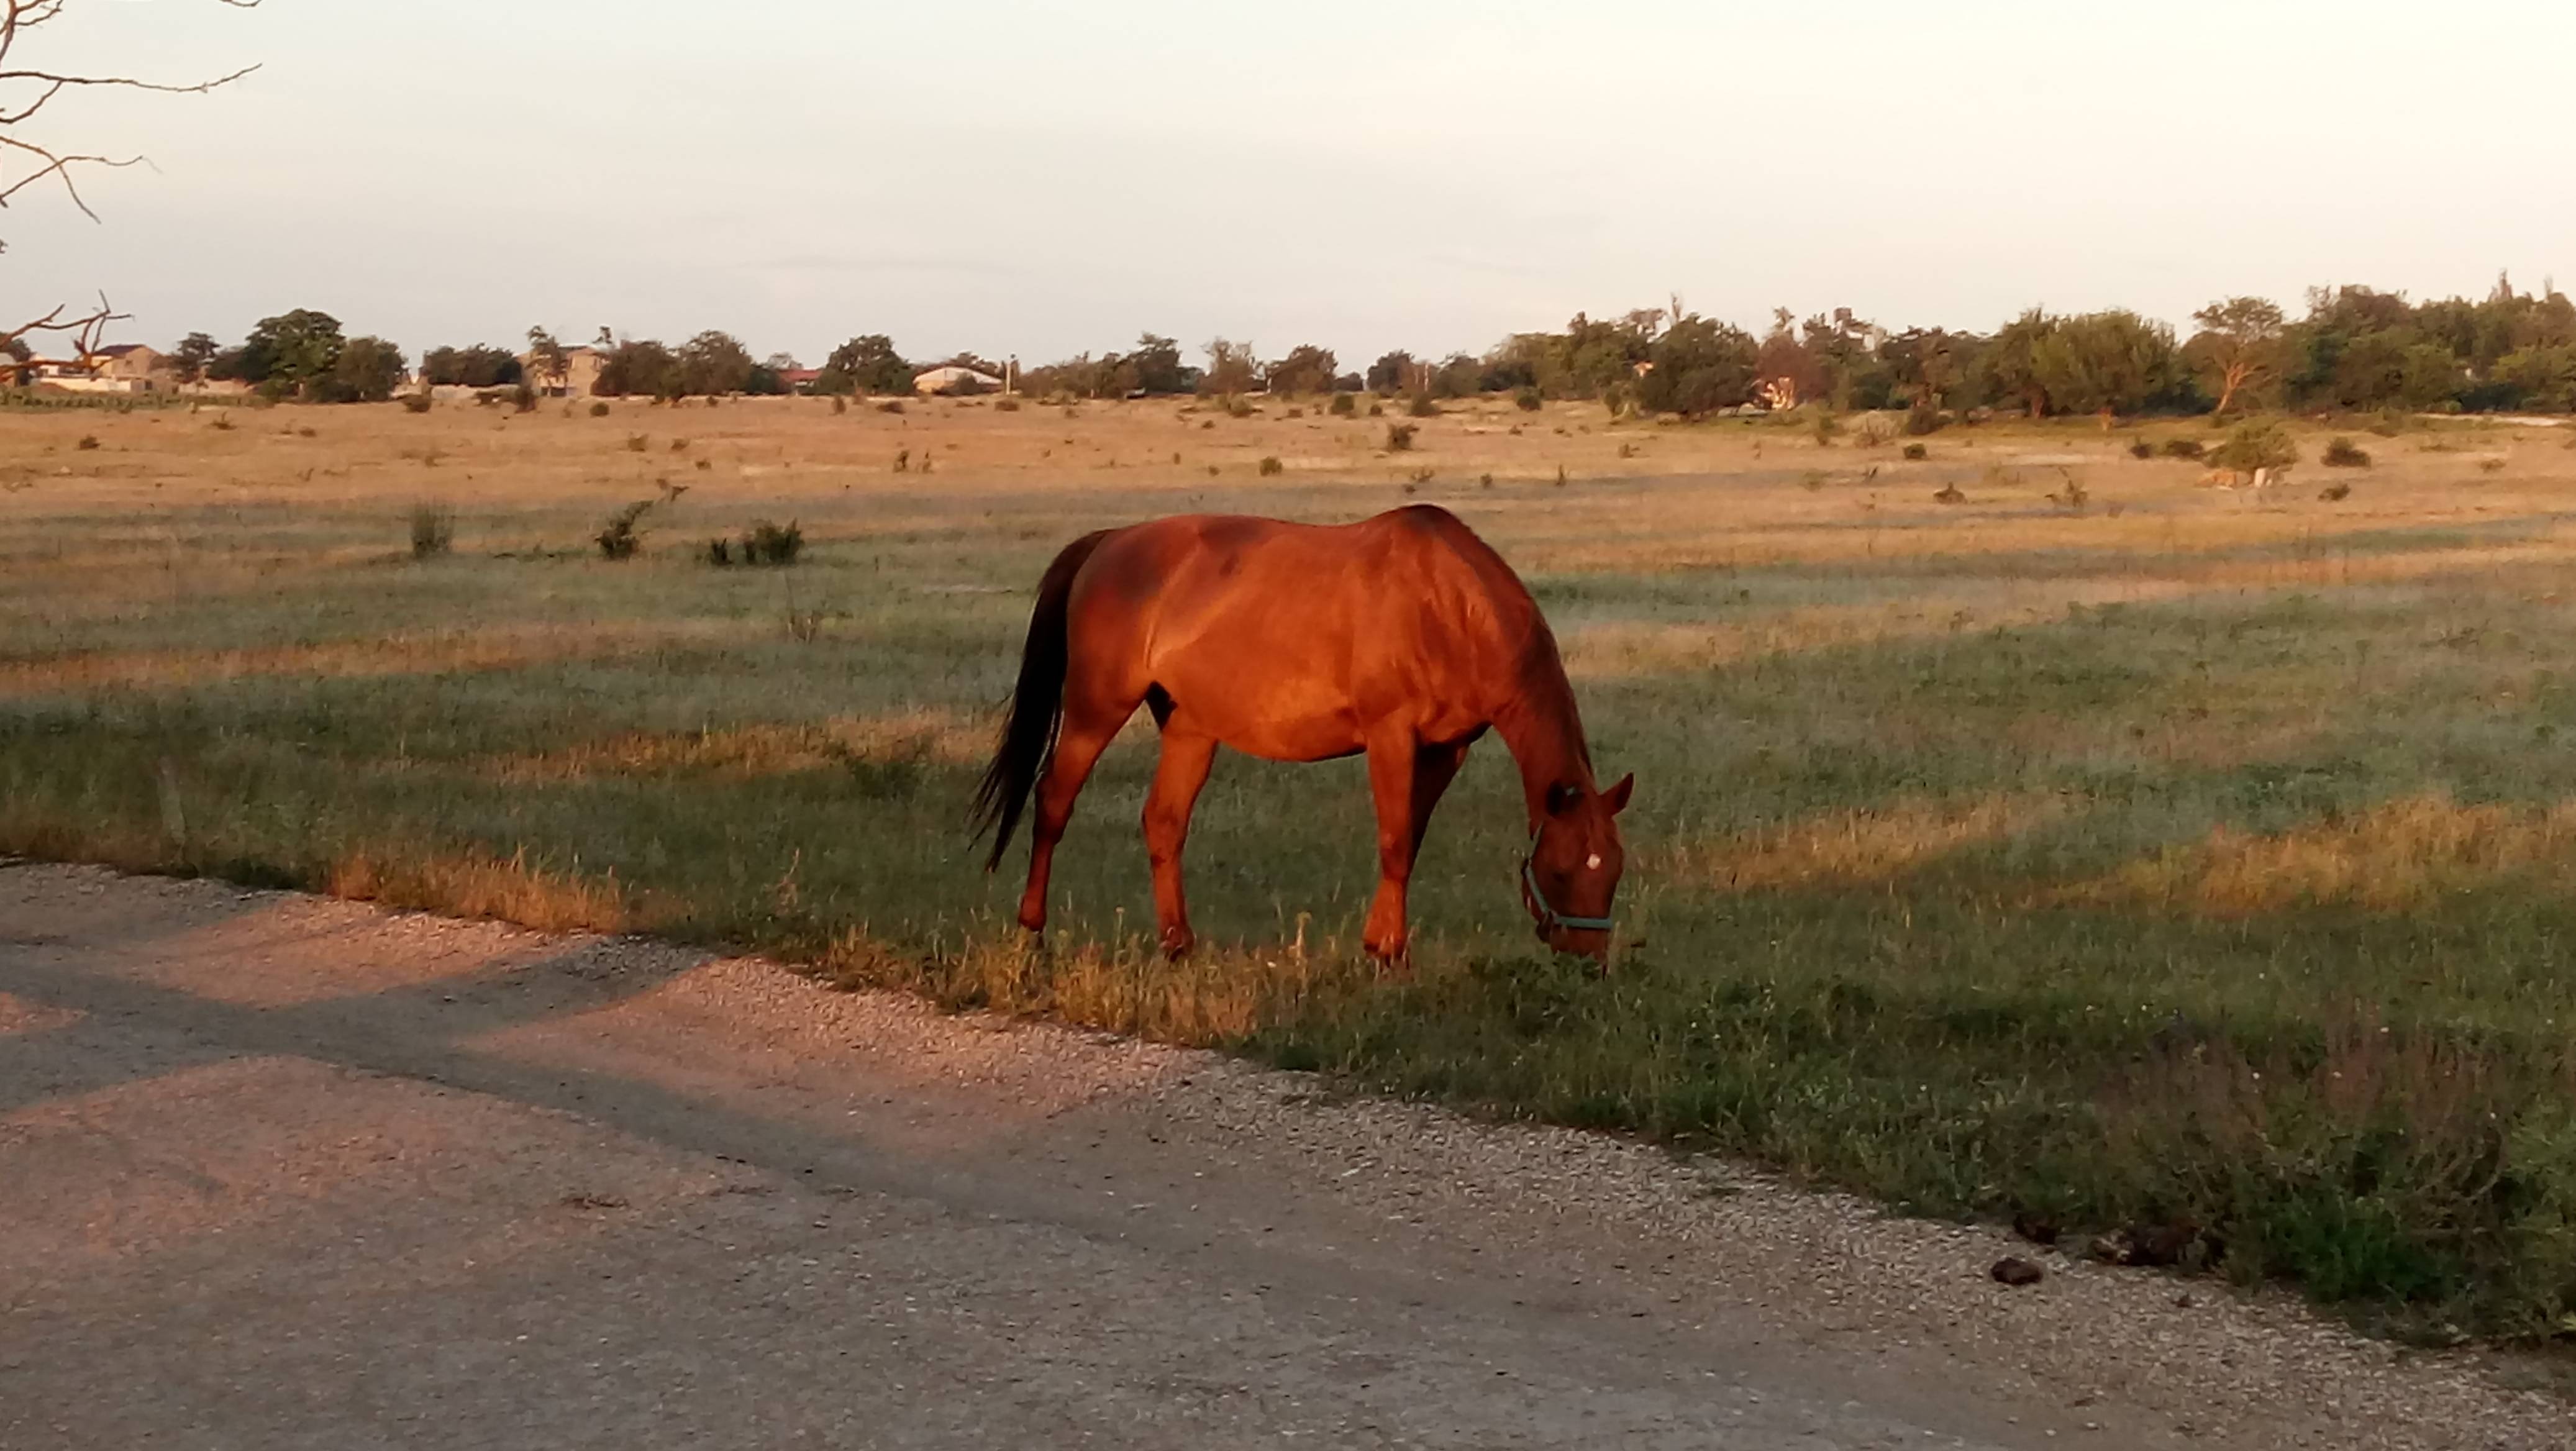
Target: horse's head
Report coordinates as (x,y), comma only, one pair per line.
(1572,874)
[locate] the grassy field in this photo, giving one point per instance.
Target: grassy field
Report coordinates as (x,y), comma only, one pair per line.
(2173,860)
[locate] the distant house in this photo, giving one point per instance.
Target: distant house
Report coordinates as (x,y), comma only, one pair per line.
(582,367)
(124,368)
(955,379)
(797,380)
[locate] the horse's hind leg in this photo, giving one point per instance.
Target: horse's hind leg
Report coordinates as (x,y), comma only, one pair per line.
(1078,745)
(1177,779)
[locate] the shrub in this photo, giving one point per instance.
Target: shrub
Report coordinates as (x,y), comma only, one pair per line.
(88,443)
(719,553)
(1237,408)
(1271,466)
(1873,432)
(769,544)
(2256,444)
(524,398)
(679,445)
(1917,452)
(1421,406)
(840,405)
(619,539)
(599,408)
(2183,448)
(2389,424)
(1924,419)
(1399,437)
(223,423)
(2343,453)
(1343,405)
(433,530)
(1484,481)
(891,405)
(1827,427)
(1377,410)
(2142,449)
(2490,465)
(636,443)
(415,402)
(1528,399)
(1006,405)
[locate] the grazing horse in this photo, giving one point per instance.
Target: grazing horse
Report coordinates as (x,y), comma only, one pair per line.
(1403,636)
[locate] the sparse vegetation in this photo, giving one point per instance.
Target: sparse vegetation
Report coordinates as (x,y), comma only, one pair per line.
(2343,453)
(599,408)
(88,443)
(1399,437)
(1528,399)
(1343,405)
(1916,453)
(1271,466)
(620,538)
(417,402)
(2190,448)
(1423,405)
(433,529)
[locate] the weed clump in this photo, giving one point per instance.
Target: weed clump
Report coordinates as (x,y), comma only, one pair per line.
(2182,448)
(1528,399)
(88,443)
(1916,452)
(1422,406)
(762,544)
(2343,453)
(1342,406)
(433,530)
(599,408)
(891,405)
(1271,466)
(619,539)
(416,402)
(637,443)
(1399,437)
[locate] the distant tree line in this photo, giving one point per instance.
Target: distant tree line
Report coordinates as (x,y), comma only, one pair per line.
(2353,349)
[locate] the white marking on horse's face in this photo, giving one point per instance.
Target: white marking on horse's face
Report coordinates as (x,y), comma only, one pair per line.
(1593,861)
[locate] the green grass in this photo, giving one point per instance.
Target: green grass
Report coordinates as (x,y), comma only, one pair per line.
(2192,870)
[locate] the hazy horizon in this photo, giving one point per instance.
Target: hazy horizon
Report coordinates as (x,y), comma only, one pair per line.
(1042,180)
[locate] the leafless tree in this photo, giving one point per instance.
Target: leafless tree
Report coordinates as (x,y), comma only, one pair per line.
(25,91)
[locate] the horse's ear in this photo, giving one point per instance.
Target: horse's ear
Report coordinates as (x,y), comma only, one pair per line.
(1617,796)
(1561,798)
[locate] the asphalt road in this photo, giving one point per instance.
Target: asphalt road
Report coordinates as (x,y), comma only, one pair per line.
(282,1173)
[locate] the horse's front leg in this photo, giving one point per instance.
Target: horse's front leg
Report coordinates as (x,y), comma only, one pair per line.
(1177,779)
(1391,766)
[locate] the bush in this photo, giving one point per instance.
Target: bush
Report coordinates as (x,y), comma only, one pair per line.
(599,408)
(1421,406)
(2389,424)
(1873,432)
(891,405)
(1399,437)
(679,445)
(840,405)
(1917,452)
(620,538)
(637,443)
(2256,444)
(1006,405)
(2142,449)
(2343,453)
(1377,410)
(433,530)
(1271,466)
(524,398)
(2183,448)
(719,553)
(415,402)
(1528,400)
(1343,406)
(769,544)
(1923,420)
(1827,427)
(88,443)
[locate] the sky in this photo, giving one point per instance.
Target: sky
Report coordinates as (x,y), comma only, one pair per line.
(1038,179)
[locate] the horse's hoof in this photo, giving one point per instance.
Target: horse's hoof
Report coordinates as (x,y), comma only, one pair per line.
(1177,945)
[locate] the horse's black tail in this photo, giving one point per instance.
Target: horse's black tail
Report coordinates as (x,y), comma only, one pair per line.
(1037,704)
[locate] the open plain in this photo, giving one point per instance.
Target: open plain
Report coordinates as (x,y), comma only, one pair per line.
(2081,845)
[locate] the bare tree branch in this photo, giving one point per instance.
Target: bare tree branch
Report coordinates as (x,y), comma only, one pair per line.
(18,18)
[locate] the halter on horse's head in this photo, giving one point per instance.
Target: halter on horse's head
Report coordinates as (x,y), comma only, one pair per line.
(1571,875)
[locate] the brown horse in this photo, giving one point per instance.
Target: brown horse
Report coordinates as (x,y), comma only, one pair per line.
(1404,636)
